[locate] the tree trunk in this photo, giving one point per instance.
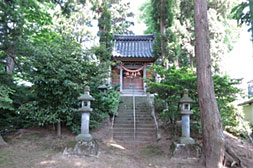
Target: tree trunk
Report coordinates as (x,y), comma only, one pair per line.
(163,34)
(212,132)
(10,63)
(59,128)
(2,142)
(191,60)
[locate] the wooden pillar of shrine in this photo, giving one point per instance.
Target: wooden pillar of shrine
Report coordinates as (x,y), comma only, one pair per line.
(121,78)
(144,77)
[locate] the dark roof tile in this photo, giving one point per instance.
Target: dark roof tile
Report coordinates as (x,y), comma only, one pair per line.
(135,46)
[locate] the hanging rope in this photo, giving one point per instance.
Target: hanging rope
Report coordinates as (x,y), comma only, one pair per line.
(133,71)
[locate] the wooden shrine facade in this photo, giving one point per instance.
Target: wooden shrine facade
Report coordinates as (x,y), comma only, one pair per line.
(134,54)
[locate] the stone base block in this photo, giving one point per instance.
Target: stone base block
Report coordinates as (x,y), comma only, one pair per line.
(83,148)
(84,137)
(185,151)
(186,140)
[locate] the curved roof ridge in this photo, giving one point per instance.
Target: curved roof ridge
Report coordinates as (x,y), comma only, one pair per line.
(134,37)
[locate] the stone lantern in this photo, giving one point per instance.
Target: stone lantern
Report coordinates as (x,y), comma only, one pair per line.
(185,102)
(85,110)
(103,88)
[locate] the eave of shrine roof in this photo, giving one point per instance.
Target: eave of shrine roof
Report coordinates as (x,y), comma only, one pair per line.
(135,46)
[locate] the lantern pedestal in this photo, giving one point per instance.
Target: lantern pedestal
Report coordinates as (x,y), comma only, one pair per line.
(85,145)
(185,112)
(85,110)
(186,140)
(85,135)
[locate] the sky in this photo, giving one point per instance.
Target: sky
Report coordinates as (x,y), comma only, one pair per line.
(239,62)
(138,28)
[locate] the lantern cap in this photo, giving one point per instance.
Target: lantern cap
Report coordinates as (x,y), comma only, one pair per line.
(85,110)
(186,112)
(86,96)
(186,98)
(102,87)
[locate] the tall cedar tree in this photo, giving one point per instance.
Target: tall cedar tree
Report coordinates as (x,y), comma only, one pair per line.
(104,24)
(14,15)
(212,132)
(162,16)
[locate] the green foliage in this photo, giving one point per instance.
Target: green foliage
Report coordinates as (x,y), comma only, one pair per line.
(106,103)
(11,97)
(77,25)
(243,13)
(239,15)
(175,80)
(146,16)
(179,37)
(104,24)
(15,14)
(49,55)
(58,71)
(5,90)
(120,15)
(5,100)
(162,18)
(162,11)
(170,88)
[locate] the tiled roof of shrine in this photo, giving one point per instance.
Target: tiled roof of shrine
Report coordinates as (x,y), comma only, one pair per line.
(133,46)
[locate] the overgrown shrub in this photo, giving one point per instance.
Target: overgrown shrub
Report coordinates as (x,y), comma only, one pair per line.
(58,72)
(170,89)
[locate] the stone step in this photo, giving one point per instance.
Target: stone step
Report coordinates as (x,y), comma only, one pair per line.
(131,126)
(137,121)
(141,122)
(131,117)
(123,125)
(126,118)
(131,109)
(132,129)
(136,112)
(138,137)
(147,134)
(137,116)
(132,122)
(132,143)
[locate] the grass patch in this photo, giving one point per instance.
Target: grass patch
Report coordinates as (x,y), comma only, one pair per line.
(6,139)
(4,162)
(151,151)
(71,144)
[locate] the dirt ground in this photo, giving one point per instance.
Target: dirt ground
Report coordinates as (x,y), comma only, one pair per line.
(40,148)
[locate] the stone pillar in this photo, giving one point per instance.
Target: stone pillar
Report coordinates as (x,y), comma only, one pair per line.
(109,80)
(121,79)
(144,77)
(185,112)
(185,125)
(85,110)
(85,123)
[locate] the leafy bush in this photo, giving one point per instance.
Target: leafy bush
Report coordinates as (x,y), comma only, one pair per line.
(58,73)
(175,80)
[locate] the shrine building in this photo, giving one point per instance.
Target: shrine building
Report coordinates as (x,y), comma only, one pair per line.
(135,54)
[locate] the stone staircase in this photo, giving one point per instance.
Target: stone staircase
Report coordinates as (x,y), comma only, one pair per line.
(123,131)
(129,92)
